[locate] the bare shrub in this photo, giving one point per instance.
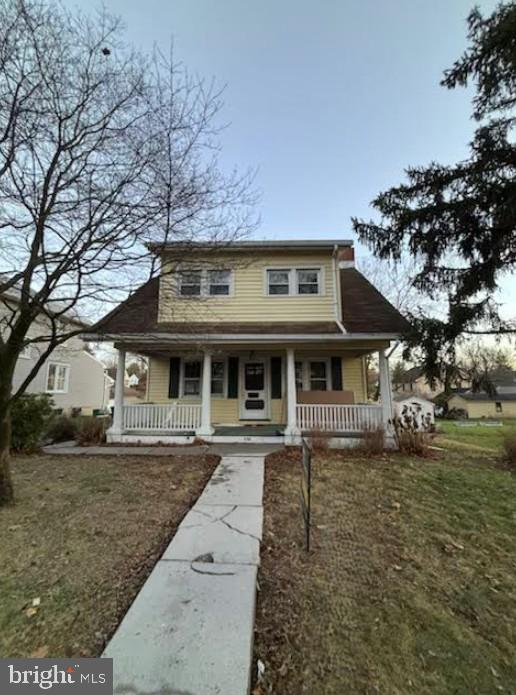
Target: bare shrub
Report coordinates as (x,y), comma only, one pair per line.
(372,442)
(319,440)
(410,439)
(509,447)
(92,431)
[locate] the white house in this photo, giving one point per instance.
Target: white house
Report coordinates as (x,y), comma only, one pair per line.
(73,377)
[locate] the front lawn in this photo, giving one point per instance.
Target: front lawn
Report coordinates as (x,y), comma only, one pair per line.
(411,583)
(474,432)
(80,541)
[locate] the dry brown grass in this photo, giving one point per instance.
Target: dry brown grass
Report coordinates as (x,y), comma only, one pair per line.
(84,534)
(409,586)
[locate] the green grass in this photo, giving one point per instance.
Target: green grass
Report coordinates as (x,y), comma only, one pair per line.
(411,583)
(475,433)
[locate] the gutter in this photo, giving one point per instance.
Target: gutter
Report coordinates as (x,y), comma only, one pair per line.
(337,303)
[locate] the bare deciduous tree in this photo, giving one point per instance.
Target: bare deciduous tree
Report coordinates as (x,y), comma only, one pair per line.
(103,150)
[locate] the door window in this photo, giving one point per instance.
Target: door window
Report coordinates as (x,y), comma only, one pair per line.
(254,376)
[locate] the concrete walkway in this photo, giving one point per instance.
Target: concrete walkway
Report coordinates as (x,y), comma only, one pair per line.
(190,629)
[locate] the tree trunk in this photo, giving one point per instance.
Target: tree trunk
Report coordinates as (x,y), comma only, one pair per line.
(6,485)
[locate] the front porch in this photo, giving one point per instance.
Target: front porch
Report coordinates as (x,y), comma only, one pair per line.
(253,397)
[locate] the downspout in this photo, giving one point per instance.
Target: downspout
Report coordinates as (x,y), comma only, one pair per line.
(337,303)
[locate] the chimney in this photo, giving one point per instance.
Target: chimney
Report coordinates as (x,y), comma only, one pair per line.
(346,257)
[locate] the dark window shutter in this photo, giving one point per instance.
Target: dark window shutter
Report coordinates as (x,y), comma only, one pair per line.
(233,377)
(173,382)
(275,377)
(336,373)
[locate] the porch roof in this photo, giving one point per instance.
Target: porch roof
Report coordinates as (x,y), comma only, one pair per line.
(365,313)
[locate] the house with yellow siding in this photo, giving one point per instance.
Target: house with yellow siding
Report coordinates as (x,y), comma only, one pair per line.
(481,405)
(253,341)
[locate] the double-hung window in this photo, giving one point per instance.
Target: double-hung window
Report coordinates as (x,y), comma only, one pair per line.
(318,376)
(308,281)
(57,377)
(217,378)
(293,281)
(192,371)
(192,378)
(278,282)
(190,283)
(313,375)
(219,283)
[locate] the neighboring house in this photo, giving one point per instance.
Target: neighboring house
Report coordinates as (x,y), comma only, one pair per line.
(413,381)
(415,407)
(479,405)
(259,340)
(75,379)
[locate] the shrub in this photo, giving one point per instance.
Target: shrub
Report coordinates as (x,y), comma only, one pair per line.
(372,442)
(29,419)
(318,440)
(457,414)
(409,438)
(509,447)
(62,429)
(92,431)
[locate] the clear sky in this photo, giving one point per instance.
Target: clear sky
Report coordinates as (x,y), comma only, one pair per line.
(330,99)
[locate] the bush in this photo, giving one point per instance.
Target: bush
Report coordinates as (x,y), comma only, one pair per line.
(409,438)
(509,447)
(62,429)
(92,431)
(372,442)
(457,414)
(30,415)
(319,440)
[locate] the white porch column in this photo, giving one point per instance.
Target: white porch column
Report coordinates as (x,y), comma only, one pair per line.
(291,430)
(118,415)
(385,388)
(205,430)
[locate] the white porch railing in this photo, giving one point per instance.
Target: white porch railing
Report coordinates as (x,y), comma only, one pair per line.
(338,418)
(174,417)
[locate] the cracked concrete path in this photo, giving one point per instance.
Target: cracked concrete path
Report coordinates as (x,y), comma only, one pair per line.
(190,629)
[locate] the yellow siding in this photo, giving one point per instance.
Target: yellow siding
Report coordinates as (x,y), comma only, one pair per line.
(249,301)
(353,377)
(477,409)
(227,410)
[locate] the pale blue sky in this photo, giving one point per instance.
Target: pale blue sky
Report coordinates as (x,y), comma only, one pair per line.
(330,99)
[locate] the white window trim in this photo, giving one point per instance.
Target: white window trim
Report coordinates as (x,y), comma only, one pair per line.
(205,284)
(292,280)
(192,397)
(305,372)
(67,377)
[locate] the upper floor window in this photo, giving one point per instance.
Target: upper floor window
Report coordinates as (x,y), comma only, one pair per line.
(219,282)
(205,283)
(190,283)
(293,281)
(308,281)
(57,377)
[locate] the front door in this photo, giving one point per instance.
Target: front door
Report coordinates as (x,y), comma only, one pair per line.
(254,404)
